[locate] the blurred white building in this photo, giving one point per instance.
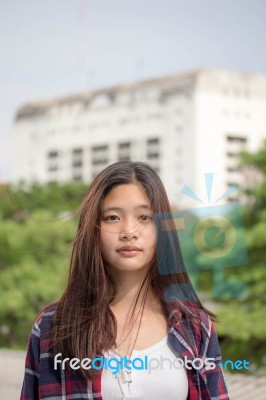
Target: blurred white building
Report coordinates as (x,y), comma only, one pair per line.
(184,125)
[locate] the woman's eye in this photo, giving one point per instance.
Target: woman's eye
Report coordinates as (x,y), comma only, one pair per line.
(111,218)
(145,217)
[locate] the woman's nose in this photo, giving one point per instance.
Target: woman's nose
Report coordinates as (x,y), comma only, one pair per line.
(129,231)
(128,235)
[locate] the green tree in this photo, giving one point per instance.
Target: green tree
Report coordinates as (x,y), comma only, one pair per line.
(37,227)
(243,322)
(18,201)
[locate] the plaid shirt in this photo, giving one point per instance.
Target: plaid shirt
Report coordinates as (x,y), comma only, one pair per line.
(43,382)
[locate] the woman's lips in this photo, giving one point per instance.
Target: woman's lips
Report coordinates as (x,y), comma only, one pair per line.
(128,251)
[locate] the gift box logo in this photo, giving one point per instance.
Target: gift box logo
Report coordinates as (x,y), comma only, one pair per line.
(211,237)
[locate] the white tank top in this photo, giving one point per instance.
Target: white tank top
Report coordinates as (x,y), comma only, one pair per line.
(168,382)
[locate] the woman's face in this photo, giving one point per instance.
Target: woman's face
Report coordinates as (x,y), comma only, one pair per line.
(127,231)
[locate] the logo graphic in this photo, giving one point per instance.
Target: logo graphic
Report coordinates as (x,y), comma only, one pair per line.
(219,236)
(210,237)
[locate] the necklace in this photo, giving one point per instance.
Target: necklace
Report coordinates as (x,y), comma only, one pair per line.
(124,376)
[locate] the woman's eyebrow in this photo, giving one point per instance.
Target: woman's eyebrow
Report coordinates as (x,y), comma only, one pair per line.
(111,208)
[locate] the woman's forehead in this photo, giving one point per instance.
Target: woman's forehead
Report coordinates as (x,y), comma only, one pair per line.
(125,195)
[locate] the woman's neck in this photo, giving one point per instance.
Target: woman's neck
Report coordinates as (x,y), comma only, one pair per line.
(130,286)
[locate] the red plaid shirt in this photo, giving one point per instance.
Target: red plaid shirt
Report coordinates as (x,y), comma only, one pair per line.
(43,382)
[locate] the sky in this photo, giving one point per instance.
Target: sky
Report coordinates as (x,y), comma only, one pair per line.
(56,47)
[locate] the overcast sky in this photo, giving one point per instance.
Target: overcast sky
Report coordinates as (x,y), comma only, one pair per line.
(55,47)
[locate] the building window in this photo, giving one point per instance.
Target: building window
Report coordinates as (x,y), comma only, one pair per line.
(53,160)
(153,148)
(77,158)
(53,154)
(153,141)
(230,154)
(151,155)
(77,151)
(124,149)
(233,169)
(99,155)
(236,139)
(125,145)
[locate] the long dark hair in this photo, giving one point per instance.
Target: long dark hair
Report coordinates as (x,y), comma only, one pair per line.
(83,314)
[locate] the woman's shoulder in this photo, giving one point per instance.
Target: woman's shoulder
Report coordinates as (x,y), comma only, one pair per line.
(194,329)
(193,317)
(45,318)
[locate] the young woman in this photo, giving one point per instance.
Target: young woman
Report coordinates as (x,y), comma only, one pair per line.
(128,299)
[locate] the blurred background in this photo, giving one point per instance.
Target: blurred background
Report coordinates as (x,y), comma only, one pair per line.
(178,84)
